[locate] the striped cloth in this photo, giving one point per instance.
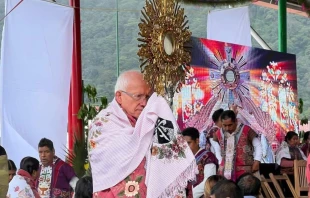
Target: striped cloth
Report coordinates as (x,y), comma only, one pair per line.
(116,149)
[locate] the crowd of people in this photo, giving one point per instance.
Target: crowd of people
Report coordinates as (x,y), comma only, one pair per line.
(137,150)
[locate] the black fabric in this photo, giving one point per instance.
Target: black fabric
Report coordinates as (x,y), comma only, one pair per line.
(164,130)
(2,151)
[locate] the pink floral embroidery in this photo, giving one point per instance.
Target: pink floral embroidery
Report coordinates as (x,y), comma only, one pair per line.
(132,188)
(98,123)
(92,143)
(175,149)
(57,192)
(155,150)
(133,184)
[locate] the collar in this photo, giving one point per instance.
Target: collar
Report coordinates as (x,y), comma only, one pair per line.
(51,164)
(198,152)
(23,173)
(27,177)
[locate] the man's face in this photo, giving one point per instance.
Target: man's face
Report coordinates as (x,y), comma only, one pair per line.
(46,155)
(193,144)
(229,125)
(134,98)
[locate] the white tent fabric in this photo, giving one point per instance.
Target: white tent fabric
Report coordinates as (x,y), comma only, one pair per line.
(35,76)
(230,25)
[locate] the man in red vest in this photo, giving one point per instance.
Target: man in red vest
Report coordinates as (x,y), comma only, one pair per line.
(240,148)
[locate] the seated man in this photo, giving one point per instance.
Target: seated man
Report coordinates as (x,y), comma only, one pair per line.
(250,185)
(226,189)
(135,149)
(206,161)
(4,174)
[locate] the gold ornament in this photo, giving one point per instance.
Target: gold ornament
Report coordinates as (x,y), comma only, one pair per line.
(164,52)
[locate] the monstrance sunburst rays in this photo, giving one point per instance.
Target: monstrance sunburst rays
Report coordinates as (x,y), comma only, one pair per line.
(164,52)
(229,75)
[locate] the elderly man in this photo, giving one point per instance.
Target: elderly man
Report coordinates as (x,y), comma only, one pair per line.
(57,178)
(135,149)
(240,148)
(4,174)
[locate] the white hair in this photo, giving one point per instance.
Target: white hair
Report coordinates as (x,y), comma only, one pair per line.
(123,79)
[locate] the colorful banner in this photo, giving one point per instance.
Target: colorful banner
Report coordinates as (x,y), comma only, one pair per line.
(262,83)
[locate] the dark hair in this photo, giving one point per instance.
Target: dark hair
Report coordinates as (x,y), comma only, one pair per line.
(306,136)
(216,178)
(191,132)
(29,164)
(211,181)
(290,135)
(229,114)
(84,187)
(216,115)
(249,184)
(2,151)
(12,165)
(226,188)
(46,142)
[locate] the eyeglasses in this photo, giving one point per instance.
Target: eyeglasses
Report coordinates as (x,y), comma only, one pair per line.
(137,97)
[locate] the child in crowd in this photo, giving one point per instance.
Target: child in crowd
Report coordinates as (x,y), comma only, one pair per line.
(211,181)
(84,188)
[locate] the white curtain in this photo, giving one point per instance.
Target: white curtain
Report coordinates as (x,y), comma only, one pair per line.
(35,76)
(230,25)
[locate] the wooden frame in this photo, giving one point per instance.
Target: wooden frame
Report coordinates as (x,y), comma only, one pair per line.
(266,188)
(301,183)
(276,178)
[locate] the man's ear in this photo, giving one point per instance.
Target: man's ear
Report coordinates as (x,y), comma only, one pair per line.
(54,151)
(118,97)
(197,141)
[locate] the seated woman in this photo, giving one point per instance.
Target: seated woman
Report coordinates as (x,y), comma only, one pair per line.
(305,147)
(12,169)
(23,183)
(288,152)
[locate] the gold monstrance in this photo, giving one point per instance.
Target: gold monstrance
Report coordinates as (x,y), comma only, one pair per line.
(164,52)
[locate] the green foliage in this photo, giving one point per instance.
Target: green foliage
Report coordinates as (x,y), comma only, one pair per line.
(91,107)
(79,157)
(301,105)
(215,2)
(304,119)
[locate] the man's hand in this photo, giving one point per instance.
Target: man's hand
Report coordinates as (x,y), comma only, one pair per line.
(255,166)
